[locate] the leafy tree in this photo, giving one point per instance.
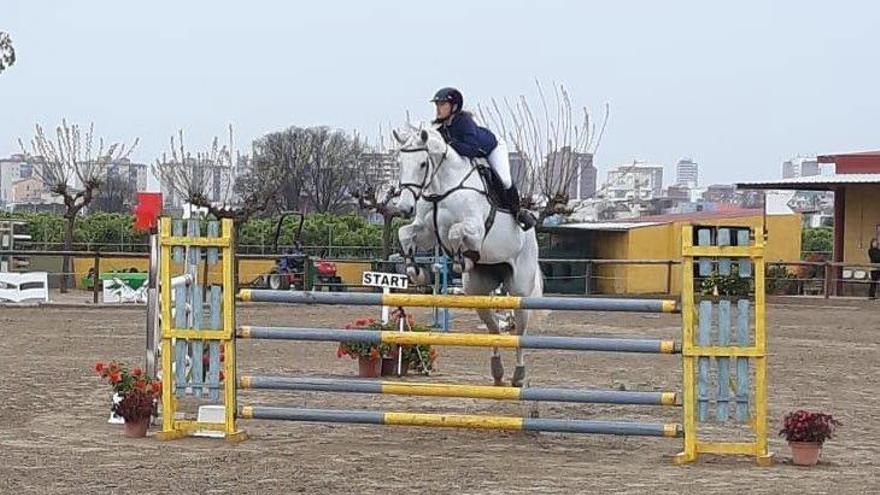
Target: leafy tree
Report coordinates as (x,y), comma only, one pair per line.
(817,239)
(314,167)
(117,195)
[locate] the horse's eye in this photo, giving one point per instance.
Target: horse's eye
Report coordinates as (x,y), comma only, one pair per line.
(423,164)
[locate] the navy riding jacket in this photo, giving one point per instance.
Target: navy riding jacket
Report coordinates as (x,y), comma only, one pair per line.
(466,137)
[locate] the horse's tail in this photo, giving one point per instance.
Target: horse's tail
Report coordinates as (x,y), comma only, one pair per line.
(538,291)
(539,283)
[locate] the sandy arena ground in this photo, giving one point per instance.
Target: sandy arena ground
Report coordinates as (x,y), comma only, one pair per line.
(54,437)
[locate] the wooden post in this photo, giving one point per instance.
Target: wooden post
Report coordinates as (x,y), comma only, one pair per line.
(97,276)
(669,277)
(829,279)
(588,274)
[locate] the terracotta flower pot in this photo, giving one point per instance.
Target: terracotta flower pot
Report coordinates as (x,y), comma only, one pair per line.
(389,367)
(369,367)
(805,453)
(136,428)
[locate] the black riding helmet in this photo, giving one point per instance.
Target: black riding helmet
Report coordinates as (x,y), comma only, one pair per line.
(451,95)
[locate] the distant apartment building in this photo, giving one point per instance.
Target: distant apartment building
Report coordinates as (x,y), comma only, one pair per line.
(636,181)
(12,170)
(135,174)
(28,191)
(679,192)
(582,174)
(581,180)
(800,167)
(687,173)
(380,169)
(722,193)
(516,167)
(243,164)
(218,181)
(17,168)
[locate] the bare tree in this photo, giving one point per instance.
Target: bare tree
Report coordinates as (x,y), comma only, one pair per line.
(71,168)
(376,193)
(207,180)
(7,52)
(547,138)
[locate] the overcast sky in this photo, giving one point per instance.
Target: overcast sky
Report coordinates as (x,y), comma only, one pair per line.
(739,87)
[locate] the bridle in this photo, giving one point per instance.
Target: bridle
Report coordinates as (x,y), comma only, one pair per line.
(416,189)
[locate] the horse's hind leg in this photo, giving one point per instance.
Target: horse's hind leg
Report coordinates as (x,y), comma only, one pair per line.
(522,284)
(495,364)
(521,322)
(476,283)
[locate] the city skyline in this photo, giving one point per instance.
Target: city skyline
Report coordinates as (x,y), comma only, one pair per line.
(712,82)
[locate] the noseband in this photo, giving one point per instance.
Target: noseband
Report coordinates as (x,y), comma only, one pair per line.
(416,189)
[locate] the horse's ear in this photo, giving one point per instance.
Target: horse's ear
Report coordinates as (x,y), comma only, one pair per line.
(424,136)
(397,137)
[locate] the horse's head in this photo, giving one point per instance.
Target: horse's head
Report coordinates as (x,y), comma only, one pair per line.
(421,150)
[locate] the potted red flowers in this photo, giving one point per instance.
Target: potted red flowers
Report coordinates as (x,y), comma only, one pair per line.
(381,359)
(805,432)
(369,356)
(138,393)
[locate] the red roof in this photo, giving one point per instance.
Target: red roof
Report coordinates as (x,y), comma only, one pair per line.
(832,157)
(729,212)
(859,162)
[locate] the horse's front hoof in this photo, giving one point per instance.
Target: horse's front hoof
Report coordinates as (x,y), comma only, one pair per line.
(456,267)
(519,374)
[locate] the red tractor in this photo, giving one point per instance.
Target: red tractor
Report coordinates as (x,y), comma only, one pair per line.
(296,269)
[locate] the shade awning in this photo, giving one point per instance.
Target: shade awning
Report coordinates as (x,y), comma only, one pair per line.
(812,183)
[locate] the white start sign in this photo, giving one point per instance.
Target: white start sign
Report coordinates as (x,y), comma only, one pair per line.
(385,280)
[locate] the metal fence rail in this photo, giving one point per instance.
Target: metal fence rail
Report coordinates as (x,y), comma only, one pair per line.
(791,278)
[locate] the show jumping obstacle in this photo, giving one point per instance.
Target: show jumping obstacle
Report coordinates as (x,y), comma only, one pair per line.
(197,344)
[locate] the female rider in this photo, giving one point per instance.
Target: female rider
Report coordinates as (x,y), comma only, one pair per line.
(472,141)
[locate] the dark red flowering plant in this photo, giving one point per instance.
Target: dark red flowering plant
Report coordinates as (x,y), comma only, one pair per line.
(808,426)
(138,391)
(420,357)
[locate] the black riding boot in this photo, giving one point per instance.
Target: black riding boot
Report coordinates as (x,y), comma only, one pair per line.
(523,217)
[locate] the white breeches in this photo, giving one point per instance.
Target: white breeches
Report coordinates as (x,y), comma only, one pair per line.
(499,160)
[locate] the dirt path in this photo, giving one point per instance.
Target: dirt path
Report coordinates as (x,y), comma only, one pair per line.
(54,437)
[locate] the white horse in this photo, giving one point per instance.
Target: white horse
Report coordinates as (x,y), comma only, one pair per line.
(447,199)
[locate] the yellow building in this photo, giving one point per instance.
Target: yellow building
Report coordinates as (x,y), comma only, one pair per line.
(656,239)
(856,186)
